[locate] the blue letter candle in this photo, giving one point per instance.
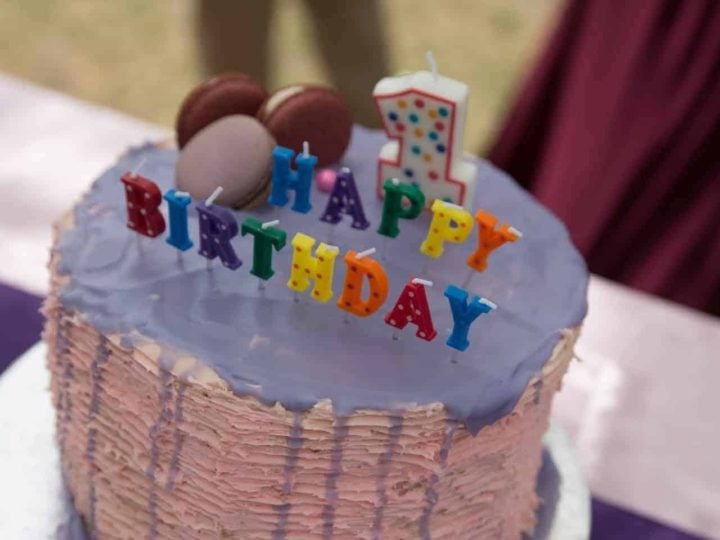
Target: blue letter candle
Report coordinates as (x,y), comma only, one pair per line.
(217,227)
(177,205)
(464,315)
(345,199)
(284,178)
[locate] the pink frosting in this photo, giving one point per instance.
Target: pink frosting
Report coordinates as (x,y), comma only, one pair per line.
(171,452)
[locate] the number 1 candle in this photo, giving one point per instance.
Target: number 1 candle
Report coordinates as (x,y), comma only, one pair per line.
(424,115)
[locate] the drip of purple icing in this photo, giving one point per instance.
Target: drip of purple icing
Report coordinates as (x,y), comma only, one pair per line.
(431,496)
(164,416)
(394,432)
(294,444)
(340,432)
(178,436)
(102,354)
(65,403)
(264,344)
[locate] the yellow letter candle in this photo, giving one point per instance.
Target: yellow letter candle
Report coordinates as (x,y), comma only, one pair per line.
(318,268)
(450,223)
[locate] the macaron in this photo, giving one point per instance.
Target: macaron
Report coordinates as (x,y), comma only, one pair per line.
(234,152)
(223,95)
(312,113)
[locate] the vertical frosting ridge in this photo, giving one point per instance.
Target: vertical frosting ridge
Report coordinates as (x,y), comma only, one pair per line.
(394,431)
(165,394)
(294,441)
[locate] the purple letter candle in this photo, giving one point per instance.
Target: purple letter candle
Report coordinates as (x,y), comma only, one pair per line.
(217,227)
(345,199)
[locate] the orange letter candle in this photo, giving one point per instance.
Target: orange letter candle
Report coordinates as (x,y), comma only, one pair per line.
(360,265)
(489,239)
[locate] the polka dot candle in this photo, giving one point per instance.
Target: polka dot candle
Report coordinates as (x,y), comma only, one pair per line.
(424,115)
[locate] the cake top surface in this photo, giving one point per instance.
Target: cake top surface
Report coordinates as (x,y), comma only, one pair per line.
(263,343)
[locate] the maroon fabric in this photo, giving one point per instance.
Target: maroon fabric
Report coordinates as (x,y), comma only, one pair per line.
(617,130)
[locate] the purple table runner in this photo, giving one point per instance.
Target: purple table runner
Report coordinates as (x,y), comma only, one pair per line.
(22,324)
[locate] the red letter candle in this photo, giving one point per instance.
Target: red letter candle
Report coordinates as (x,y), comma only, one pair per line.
(359,266)
(412,307)
(489,239)
(143,200)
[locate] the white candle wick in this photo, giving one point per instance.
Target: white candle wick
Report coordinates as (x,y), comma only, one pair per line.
(453,205)
(332,248)
(516,232)
(182,194)
(365,253)
(433,64)
(215,194)
(489,303)
(345,169)
(269,223)
(395,182)
(420,281)
(306,148)
(137,168)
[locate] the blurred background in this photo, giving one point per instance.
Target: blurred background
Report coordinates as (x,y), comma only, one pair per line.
(142,57)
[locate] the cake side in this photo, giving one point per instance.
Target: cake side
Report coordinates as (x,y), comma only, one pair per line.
(149,452)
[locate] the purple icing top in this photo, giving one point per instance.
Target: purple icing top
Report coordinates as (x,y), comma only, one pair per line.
(263,343)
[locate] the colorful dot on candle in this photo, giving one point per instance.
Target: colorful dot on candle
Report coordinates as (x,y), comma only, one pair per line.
(402,103)
(419,103)
(409,173)
(440,148)
(400,126)
(432,113)
(416,150)
(414,118)
(433,175)
(439,126)
(443,111)
(419,132)
(433,136)
(393,116)
(427,157)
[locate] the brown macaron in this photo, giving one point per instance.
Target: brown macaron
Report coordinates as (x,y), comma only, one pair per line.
(224,95)
(312,113)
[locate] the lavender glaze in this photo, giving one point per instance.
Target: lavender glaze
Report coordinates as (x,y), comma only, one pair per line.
(264,344)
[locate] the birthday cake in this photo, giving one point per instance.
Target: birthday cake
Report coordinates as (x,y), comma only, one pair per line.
(335,364)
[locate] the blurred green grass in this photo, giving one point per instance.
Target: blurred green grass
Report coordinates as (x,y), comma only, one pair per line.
(139,56)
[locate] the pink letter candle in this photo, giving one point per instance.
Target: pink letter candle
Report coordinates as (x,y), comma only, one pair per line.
(424,115)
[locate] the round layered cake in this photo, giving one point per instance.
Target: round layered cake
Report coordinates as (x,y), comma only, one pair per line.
(194,403)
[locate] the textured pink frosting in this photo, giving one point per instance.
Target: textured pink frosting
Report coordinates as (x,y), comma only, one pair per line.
(160,448)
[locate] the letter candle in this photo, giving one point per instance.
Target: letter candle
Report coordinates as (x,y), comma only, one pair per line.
(217,227)
(345,199)
(464,314)
(360,266)
(412,307)
(306,267)
(490,238)
(423,114)
(266,237)
(179,238)
(284,178)
(143,199)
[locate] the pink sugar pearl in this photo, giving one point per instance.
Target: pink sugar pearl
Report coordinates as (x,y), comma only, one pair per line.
(325,180)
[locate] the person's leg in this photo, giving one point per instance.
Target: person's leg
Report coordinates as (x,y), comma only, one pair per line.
(233,36)
(352,42)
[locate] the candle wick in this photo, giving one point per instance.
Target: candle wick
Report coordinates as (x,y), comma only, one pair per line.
(489,303)
(420,281)
(269,223)
(365,253)
(137,168)
(395,182)
(433,64)
(306,148)
(516,232)
(182,194)
(215,194)
(453,205)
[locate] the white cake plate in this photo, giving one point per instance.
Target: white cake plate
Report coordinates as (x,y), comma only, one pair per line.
(34,505)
